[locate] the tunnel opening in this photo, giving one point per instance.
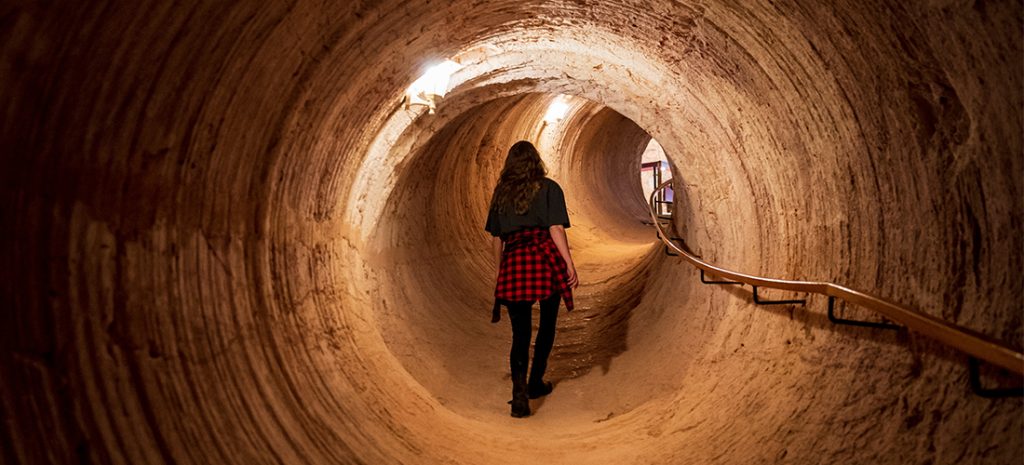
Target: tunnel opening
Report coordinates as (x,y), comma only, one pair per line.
(654,170)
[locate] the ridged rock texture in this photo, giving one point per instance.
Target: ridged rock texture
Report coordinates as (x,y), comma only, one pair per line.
(225,239)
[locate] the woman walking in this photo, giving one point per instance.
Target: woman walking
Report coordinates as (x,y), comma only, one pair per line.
(527,218)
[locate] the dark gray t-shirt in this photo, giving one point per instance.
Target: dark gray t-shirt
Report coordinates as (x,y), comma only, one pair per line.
(547,209)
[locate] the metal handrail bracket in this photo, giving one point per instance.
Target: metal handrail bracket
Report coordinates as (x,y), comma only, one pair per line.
(760,301)
(705,281)
(974,372)
(843,321)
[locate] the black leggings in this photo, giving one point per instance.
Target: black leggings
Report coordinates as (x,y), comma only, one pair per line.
(521,315)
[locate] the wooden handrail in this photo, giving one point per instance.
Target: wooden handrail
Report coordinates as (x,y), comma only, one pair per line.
(968,341)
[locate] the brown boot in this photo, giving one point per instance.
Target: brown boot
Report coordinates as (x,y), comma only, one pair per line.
(520,396)
(539,389)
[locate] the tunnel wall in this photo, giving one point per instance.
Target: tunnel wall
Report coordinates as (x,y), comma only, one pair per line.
(185,282)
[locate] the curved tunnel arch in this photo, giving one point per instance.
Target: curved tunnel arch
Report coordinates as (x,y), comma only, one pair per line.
(434,321)
(197,274)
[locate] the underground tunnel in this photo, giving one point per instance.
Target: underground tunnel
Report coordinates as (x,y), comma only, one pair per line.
(232,239)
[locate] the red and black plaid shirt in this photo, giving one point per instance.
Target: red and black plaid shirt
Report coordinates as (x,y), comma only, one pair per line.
(531,269)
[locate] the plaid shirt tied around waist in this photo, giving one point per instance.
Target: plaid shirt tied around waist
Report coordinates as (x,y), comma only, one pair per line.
(531,269)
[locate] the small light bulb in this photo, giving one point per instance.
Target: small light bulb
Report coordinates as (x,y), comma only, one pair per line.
(557,110)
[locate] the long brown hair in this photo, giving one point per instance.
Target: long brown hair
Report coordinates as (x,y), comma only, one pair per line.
(520,179)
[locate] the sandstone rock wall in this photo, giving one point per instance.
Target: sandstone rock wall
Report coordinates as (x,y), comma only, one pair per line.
(228,242)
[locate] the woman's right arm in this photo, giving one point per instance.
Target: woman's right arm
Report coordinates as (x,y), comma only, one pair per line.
(562,243)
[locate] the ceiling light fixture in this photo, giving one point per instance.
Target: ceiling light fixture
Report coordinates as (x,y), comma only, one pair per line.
(432,86)
(557,110)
